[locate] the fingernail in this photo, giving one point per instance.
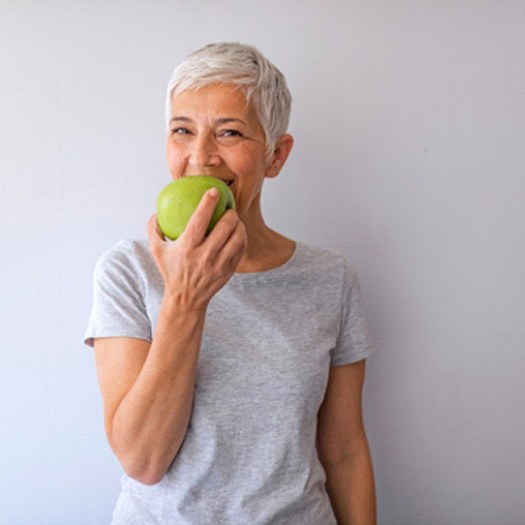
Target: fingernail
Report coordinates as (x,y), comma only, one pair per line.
(213,192)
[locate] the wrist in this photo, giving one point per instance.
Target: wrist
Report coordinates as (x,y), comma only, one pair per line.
(178,327)
(175,306)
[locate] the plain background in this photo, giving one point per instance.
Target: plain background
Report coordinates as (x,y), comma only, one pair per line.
(409,120)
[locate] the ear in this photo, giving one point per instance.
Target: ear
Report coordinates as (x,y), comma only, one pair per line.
(282,149)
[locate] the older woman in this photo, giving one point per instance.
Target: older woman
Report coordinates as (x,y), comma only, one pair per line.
(231,365)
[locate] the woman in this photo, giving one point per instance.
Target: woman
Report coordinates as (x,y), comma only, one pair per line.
(231,365)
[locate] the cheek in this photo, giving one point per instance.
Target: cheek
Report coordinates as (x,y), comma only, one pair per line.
(249,164)
(173,156)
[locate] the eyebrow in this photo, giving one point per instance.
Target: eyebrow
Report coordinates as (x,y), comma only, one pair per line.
(223,120)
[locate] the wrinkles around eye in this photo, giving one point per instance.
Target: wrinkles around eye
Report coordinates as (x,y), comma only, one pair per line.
(180,131)
(227,136)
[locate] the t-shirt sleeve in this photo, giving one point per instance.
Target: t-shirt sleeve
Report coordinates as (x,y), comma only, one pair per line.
(118,299)
(353,343)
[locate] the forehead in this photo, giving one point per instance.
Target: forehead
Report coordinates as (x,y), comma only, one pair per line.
(218,100)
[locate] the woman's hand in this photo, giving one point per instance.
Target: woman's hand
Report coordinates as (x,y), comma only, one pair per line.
(195,267)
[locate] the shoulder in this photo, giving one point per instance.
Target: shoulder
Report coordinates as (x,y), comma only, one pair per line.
(127,258)
(125,249)
(331,264)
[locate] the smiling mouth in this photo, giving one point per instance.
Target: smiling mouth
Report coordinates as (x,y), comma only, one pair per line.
(228,183)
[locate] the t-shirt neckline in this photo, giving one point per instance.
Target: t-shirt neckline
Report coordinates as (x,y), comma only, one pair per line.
(241,276)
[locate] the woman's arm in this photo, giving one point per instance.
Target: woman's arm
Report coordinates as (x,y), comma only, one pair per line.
(343,447)
(148,388)
(148,393)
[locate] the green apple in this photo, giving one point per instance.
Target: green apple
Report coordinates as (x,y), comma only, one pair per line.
(179,199)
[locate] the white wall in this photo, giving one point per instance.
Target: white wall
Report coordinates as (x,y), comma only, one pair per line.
(409,157)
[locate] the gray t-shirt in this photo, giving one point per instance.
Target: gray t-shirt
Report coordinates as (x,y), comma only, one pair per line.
(270,338)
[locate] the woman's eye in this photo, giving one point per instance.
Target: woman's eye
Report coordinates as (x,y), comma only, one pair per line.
(180,131)
(230,135)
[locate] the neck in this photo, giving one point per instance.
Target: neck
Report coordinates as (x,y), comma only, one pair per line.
(266,249)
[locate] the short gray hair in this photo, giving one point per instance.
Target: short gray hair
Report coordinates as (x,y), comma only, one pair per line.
(242,65)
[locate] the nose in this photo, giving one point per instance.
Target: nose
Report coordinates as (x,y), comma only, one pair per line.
(204,151)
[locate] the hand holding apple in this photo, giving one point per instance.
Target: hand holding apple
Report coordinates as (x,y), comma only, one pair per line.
(178,200)
(196,265)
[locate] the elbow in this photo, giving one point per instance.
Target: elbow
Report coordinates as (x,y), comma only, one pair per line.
(143,472)
(146,478)
(345,459)
(140,467)
(144,463)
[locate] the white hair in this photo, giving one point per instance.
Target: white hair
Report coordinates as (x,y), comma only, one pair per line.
(244,66)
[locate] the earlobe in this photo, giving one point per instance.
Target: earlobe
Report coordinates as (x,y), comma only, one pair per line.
(282,150)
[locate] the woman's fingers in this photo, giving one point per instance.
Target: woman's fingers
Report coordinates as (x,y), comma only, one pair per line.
(234,241)
(223,230)
(227,238)
(195,230)
(239,243)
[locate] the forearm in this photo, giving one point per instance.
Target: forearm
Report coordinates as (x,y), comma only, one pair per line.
(150,423)
(350,485)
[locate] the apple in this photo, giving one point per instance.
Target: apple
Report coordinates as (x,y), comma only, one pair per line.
(178,200)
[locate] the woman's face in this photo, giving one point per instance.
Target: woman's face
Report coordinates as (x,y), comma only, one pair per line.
(214,132)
